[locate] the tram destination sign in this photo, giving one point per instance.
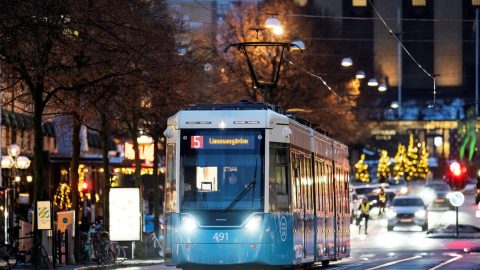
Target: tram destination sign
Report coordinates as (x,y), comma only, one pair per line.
(223,142)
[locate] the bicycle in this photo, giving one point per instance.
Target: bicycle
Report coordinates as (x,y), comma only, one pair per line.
(115,253)
(156,249)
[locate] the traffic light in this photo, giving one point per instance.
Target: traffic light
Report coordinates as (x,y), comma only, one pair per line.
(85,187)
(457,175)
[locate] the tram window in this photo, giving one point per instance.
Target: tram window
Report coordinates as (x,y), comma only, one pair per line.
(170,183)
(309,183)
(278,177)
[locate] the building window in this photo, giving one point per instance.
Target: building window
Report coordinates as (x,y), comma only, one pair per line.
(359,3)
(419,3)
(475,2)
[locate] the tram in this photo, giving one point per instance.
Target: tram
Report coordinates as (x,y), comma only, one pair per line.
(248,185)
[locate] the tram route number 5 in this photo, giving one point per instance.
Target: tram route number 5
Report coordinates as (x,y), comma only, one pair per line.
(220,236)
(196,142)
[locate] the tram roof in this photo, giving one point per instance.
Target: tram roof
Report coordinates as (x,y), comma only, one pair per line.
(241,105)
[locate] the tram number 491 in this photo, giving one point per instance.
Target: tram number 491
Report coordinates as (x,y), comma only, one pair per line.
(220,236)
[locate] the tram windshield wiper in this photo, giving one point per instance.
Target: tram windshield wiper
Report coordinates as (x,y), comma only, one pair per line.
(245,190)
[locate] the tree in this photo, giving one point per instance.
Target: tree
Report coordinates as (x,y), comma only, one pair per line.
(400,162)
(383,169)
(361,170)
(423,167)
(297,88)
(411,168)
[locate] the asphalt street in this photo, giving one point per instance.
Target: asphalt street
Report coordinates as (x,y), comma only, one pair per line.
(406,248)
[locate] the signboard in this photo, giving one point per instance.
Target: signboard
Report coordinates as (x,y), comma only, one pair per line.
(145,151)
(457,199)
(44,215)
(66,219)
(223,142)
(125,214)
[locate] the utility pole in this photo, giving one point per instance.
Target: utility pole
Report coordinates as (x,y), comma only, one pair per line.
(476,61)
(399,60)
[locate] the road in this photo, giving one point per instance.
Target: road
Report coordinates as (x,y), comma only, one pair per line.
(408,248)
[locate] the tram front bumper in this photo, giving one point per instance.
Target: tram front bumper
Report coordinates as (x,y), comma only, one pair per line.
(222,254)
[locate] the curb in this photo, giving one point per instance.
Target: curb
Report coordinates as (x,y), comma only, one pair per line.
(118,265)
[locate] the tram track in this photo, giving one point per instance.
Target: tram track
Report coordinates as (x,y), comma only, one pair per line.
(432,261)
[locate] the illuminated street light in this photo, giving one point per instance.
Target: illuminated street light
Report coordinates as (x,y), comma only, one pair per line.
(382,87)
(394,105)
(275,25)
(360,74)
(438,141)
(298,45)
(347,62)
(373,82)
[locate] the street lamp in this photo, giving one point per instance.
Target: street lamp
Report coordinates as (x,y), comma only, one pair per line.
(360,74)
(347,62)
(372,82)
(14,161)
(275,25)
(382,87)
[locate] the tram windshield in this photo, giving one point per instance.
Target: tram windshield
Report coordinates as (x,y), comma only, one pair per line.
(222,169)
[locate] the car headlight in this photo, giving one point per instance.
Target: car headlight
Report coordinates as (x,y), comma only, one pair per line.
(391,214)
(428,195)
(189,223)
(253,222)
(420,213)
(449,194)
(404,190)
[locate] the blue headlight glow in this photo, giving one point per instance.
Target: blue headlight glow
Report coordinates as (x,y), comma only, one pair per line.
(188,223)
(253,222)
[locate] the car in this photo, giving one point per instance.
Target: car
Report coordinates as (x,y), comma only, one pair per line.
(407,211)
(436,195)
(397,186)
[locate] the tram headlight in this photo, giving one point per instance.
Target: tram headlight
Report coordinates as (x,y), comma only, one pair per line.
(253,223)
(189,223)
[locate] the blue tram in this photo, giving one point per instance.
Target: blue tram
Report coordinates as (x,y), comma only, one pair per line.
(247,185)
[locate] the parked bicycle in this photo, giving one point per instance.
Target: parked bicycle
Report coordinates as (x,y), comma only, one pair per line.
(11,255)
(155,248)
(98,247)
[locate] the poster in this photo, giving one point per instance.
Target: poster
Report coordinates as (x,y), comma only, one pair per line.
(44,216)
(66,220)
(125,214)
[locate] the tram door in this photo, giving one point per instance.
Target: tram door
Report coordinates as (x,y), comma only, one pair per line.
(307,197)
(298,210)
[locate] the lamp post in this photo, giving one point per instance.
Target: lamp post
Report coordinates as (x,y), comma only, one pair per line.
(14,163)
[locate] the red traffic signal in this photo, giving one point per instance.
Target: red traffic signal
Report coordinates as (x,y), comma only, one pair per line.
(84,187)
(455,168)
(457,175)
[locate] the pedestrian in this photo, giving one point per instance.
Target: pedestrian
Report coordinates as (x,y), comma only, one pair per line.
(364,212)
(382,201)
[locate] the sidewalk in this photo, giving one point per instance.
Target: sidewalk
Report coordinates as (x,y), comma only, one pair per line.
(94,265)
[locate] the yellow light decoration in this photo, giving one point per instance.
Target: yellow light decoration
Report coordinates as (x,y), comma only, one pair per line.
(61,199)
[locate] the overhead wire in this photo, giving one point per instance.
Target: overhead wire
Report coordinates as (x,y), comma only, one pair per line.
(315,76)
(407,51)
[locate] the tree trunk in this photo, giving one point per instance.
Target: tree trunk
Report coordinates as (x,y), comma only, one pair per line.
(136,149)
(106,170)
(37,162)
(74,164)
(156,183)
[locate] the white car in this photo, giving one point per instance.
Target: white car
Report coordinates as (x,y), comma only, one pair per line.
(407,211)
